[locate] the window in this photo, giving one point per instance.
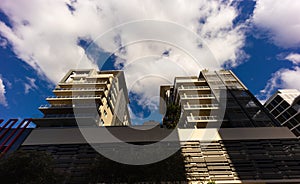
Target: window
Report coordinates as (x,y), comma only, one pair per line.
(296,132)
(277,99)
(288,124)
(294,122)
(292,111)
(285,104)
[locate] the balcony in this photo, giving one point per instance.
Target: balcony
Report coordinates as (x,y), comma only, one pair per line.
(202,119)
(200,106)
(79,89)
(61,106)
(194,88)
(84,82)
(58,108)
(188,80)
(86,115)
(54,100)
(74,97)
(199,96)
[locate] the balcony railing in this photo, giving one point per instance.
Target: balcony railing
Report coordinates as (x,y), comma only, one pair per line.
(196,96)
(75,97)
(188,80)
(201,106)
(45,106)
(87,115)
(193,87)
(83,82)
(79,89)
(202,118)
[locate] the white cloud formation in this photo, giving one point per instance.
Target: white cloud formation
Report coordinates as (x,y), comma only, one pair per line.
(282,79)
(45,35)
(294,57)
(280,19)
(290,78)
(2,94)
(30,85)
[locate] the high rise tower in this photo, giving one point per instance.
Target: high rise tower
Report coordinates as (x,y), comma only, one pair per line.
(214,99)
(91,97)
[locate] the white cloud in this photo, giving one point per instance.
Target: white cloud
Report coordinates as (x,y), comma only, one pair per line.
(282,79)
(45,35)
(2,94)
(290,78)
(294,57)
(280,19)
(272,85)
(3,42)
(30,85)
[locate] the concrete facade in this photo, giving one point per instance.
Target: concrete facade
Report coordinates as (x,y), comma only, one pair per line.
(97,97)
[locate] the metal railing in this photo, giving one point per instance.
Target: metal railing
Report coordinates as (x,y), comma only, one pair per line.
(193,87)
(78,89)
(66,105)
(75,97)
(202,118)
(188,80)
(197,96)
(198,106)
(87,115)
(83,82)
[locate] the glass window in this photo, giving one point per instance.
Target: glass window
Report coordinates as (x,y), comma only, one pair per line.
(284,104)
(277,99)
(296,132)
(294,122)
(288,124)
(275,112)
(292,111)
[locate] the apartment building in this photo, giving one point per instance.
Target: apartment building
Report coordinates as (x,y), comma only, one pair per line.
(224,134)
(248,146)
(87,97)
(214,99)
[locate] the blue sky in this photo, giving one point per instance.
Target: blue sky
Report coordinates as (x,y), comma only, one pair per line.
(39,42)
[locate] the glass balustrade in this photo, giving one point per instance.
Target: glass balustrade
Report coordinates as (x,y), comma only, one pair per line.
(193,87)
(196,96)
(66,105)
(75,97)
(79,89)
(200,106)
(202,118)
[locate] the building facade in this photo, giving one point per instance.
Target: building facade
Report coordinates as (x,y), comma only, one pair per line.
(248,146)
(224,135)
(284,105)
(214,99)
(87,97)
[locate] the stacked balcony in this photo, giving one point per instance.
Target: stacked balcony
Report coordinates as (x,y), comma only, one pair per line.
(80,95)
